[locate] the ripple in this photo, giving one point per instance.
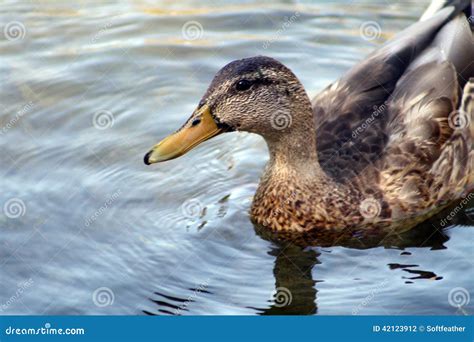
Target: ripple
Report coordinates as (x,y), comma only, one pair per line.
(97,218)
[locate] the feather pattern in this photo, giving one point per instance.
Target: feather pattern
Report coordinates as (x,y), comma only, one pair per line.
(393,115)
(395,130)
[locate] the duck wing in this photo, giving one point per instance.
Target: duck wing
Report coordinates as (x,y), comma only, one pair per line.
(395,98)
(428,159)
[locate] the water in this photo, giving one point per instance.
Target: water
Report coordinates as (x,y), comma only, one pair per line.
(87,228)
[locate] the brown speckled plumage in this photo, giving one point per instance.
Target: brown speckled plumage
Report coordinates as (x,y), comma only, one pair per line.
(380,150)
(385,133)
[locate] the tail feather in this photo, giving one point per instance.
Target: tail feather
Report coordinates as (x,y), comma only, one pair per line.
(467,114)
(467,106)
(460,5)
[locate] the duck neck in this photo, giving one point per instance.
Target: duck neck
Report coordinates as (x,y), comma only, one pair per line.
(294,152)
(293,182)
(293,149)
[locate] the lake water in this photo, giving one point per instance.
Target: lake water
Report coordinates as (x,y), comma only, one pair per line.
(87,228)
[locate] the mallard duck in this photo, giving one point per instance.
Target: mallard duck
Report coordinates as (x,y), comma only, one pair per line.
(386,146)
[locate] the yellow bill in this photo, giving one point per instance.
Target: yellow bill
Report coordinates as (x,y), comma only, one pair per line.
(199,128)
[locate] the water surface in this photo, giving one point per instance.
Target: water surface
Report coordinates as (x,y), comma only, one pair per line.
(87,228)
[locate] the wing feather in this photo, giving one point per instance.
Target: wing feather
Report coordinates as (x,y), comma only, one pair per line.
(392,109)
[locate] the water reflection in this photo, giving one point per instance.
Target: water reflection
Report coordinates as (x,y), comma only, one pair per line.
(295,268)
(97,217)
(295,288)
(295,271)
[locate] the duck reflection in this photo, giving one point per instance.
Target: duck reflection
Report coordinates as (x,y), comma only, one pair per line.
(296,263)
(295,290)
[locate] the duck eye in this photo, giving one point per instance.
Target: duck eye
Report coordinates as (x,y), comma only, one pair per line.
(243,85)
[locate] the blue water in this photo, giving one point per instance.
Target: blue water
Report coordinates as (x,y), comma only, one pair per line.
(87,228)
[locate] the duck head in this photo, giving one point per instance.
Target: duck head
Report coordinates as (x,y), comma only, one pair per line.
(257,95)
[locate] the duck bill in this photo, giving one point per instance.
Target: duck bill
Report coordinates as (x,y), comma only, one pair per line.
(200,127)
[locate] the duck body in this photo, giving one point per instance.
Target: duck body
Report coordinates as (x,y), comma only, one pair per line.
(393,137)
(380,150)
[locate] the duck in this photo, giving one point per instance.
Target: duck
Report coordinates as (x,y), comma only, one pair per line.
(382,149)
